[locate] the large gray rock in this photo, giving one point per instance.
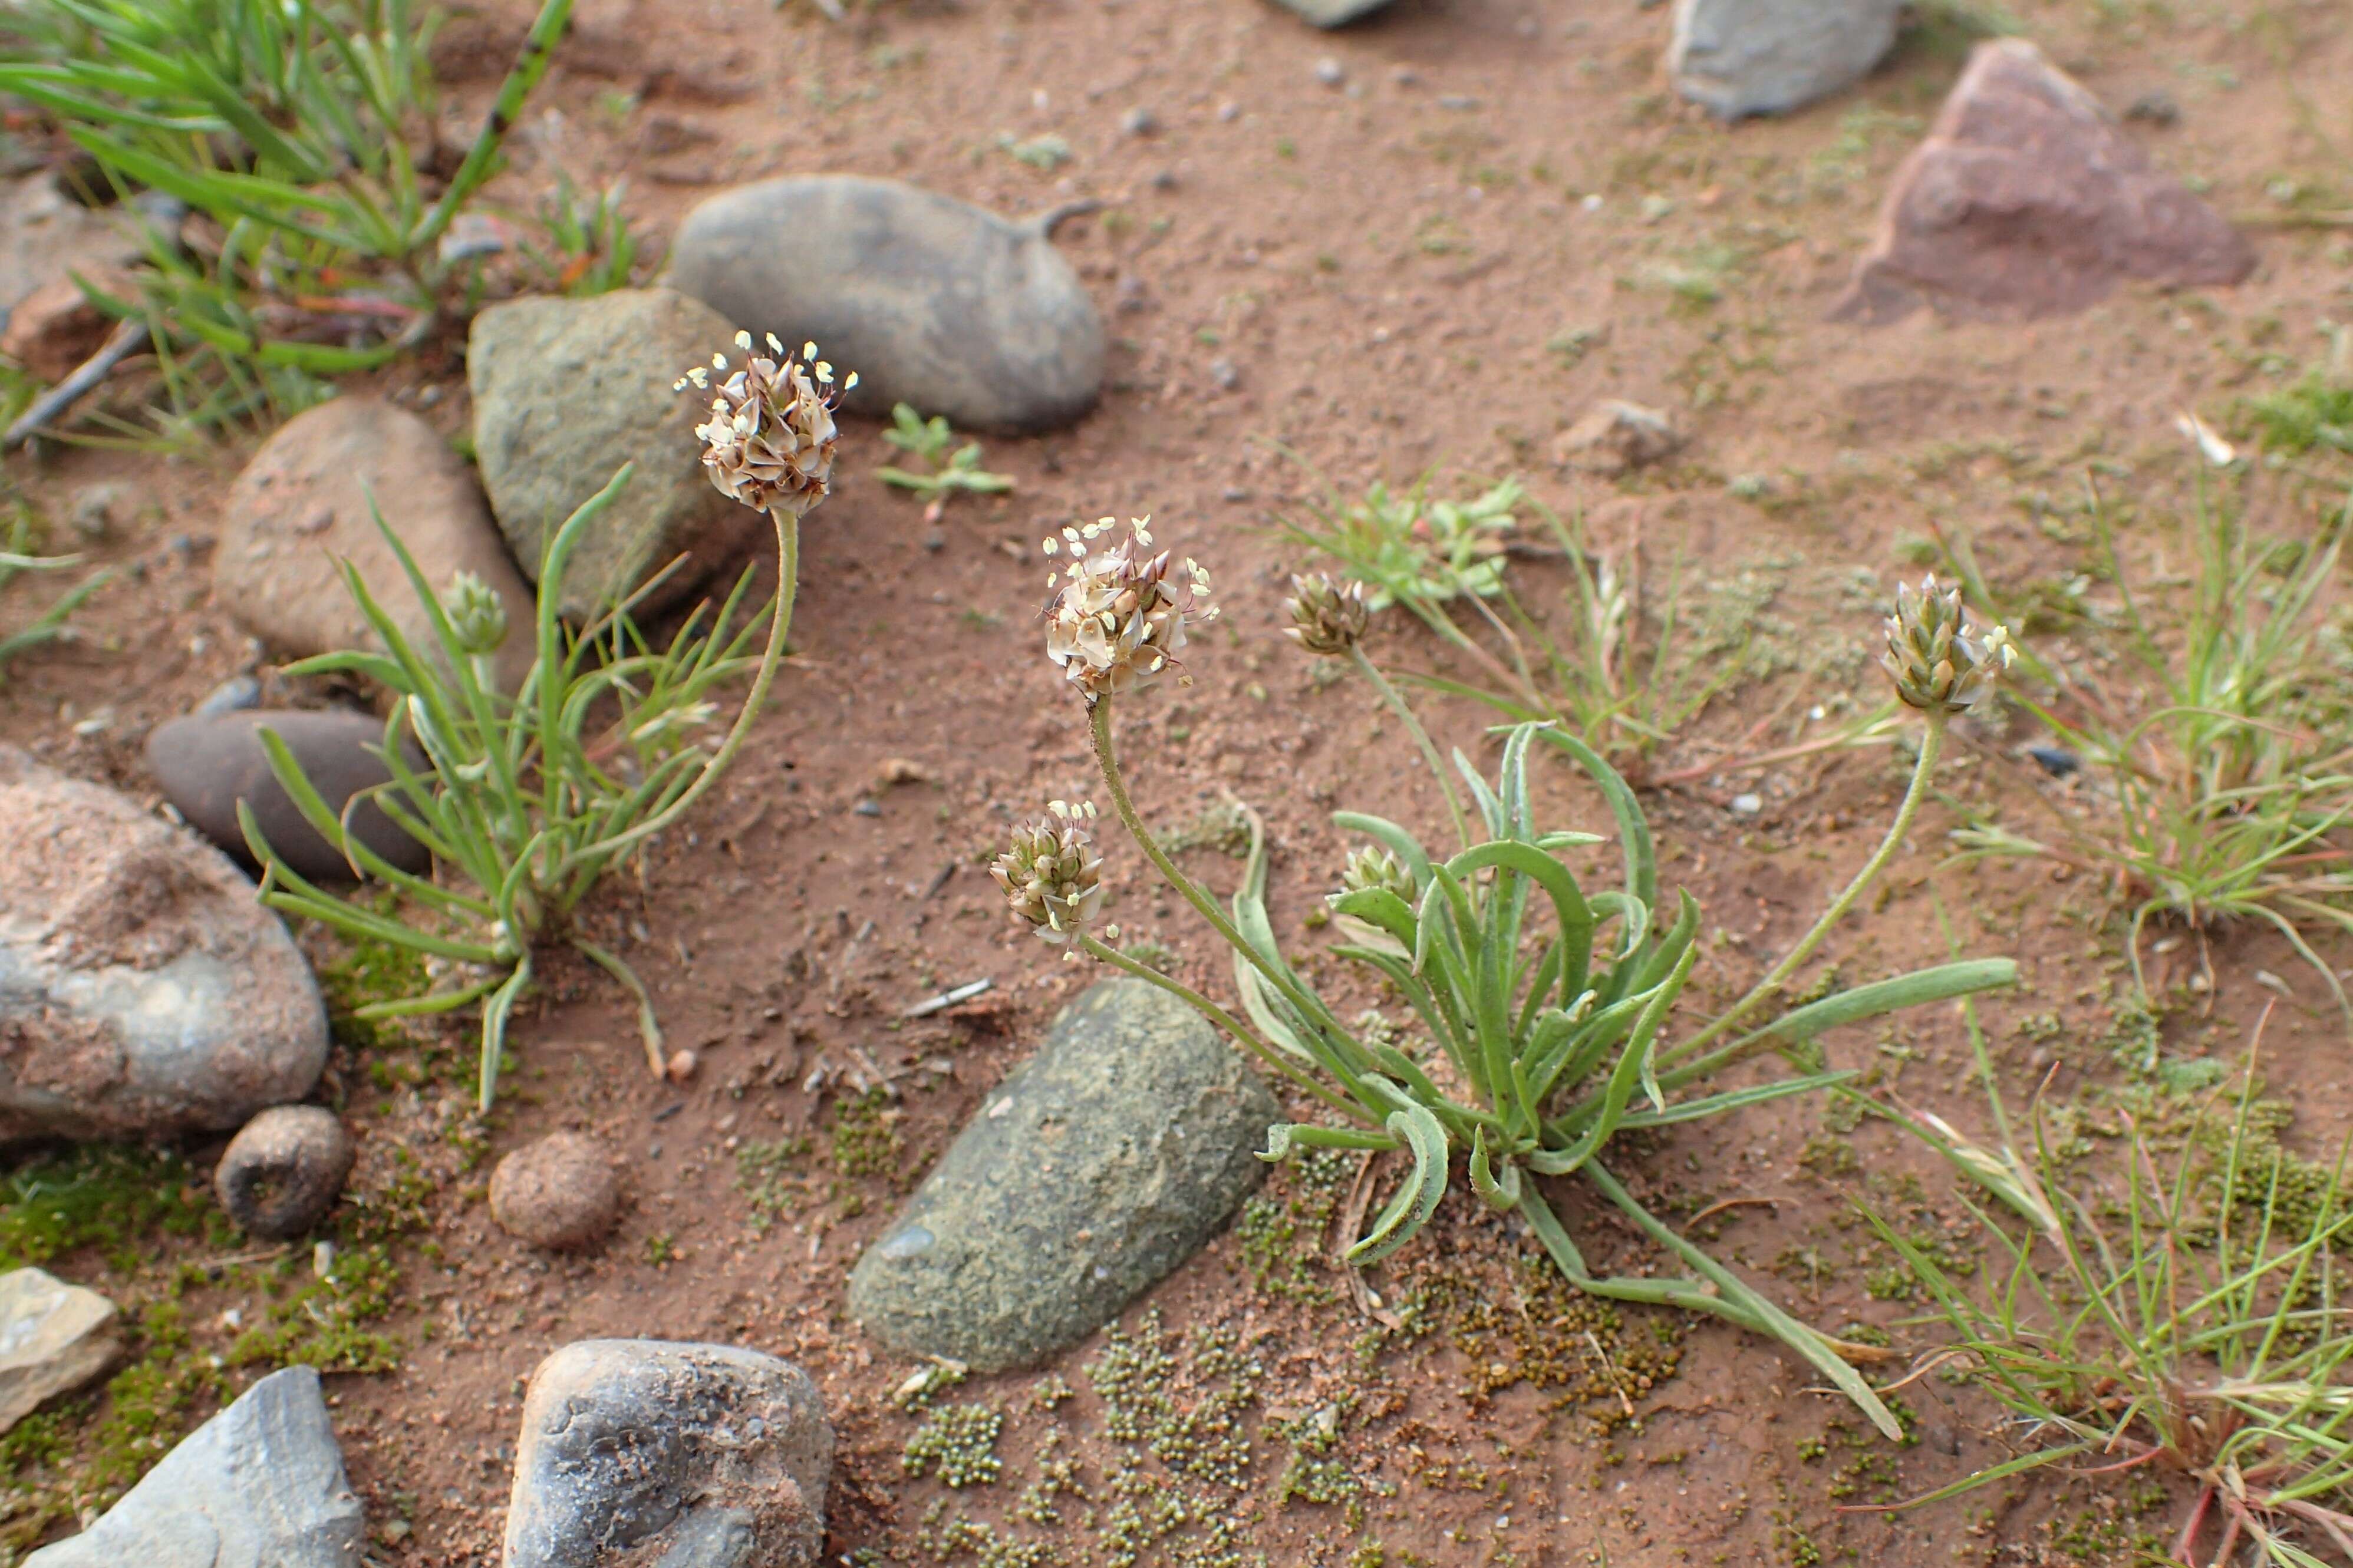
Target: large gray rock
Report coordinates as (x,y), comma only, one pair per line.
(646,1454)
(261,1485)
(1737,57)
(53,1337)
(143,991)
(209,762)
(2028,199)
(301,508)
(930,301)
(565,391)
(1093,1170)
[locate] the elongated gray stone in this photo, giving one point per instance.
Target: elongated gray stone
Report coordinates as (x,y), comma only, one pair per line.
(261,1485)
(1093,1170)
(933,302)
(1333,13)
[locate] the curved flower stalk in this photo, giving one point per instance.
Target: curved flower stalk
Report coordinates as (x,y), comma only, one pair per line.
(1548,1010)
(528,800)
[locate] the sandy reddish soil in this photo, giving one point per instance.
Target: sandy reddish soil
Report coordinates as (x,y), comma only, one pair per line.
(1383,266)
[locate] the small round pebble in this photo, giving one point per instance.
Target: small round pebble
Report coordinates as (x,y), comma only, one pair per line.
(682,1066)
(283,1170)
(557,1193)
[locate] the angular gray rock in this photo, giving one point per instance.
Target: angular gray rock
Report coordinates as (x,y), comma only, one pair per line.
(565,391)
(209,762)
(2028,199)
(1332,13)
(143,991)
(261,1485)
(1613,436)
(302,507)
(1737,57)
(649,1454)
(933,302)
(283,1171)
(1093,1170)
(53,1337)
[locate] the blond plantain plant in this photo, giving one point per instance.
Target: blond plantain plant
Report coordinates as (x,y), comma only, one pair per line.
(1548,1009)
(526,801)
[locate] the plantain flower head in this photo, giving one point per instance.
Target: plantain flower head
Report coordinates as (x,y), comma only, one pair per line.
(1051,876)
(478,618)
(1119,610)
(1326,618)
(1375,867)
(1939,663)
(770,438)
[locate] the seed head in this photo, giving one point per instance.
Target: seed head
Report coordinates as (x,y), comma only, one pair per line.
(1051,876)
(1939,662)
(1326,618)
(1118,615)
(478,617)
(1374,867)
(770,437)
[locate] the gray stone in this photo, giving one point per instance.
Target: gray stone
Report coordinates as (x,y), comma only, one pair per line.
(932,302)
(54,1338)
(208,763)
(261,1485)
(1614,435)
(565,391)
(308,502)
(144,991)
(1095,1169)
(1739,57)
(647,1454)
(283,1171)
(235,695)
(1333,13)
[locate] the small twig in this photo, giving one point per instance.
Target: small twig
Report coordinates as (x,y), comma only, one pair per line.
(1352,1219)
(1722,1204)
(1610,1367)
(948,998)
(130,337)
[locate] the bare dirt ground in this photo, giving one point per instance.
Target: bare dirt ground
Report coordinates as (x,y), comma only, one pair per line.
(1496,217)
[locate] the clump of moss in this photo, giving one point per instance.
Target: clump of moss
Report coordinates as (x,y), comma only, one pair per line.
(945,1540)
(324,1320)
(1282,1235)
(768,1174)
(866,1138)
(115,1199)
(2314,412)
(367,970)
(1138,1379)
(960,1442)
(1058,1476)
(1546,1333)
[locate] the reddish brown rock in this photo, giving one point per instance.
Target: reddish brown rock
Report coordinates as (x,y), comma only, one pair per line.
(2028,199)
(55,327)
(303,506)
(558,1192)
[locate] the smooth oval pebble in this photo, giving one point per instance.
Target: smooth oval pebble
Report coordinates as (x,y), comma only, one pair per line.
(556,1192)
(206,762)
(933,302)
(283,1170)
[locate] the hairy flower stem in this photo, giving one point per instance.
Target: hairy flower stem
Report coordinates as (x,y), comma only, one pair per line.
(1106,757)
(1089,943)
(780,622)
(1396,700)
(1931,743)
